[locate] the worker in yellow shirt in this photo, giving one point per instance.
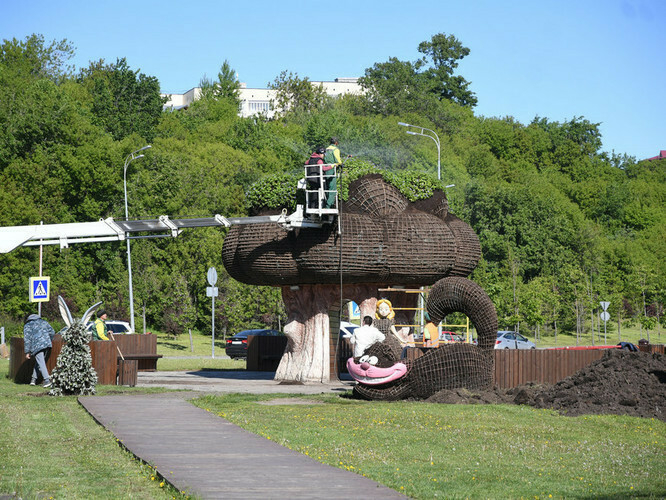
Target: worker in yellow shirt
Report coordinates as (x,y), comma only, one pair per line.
(331,157)
(99,331)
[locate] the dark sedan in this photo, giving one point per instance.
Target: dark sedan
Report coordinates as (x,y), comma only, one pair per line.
(237,345)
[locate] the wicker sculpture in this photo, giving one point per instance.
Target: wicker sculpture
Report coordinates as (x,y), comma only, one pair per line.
(385,240)
(383,375)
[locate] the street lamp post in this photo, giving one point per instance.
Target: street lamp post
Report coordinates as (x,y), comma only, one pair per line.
(434,137)
(130,158)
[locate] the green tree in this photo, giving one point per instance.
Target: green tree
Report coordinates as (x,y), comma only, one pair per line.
(444,52)
(226,86)
(392,86)
(398,86)
(123,101)
(297,95)
(32,58)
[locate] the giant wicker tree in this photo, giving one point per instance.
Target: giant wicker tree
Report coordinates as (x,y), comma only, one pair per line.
(384,240)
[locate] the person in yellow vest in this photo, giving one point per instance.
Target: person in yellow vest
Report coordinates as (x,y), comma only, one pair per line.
(430,333)
(99,331)
(331,157)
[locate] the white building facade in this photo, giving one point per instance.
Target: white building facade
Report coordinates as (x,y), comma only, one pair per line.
(258,101)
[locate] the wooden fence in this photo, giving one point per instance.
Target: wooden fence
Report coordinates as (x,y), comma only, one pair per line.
(515,367)
(104,356)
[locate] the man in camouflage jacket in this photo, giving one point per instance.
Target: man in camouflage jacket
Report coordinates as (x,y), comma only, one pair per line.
(37,336)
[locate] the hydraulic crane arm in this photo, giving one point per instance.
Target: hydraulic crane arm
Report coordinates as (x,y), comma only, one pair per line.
(12,237)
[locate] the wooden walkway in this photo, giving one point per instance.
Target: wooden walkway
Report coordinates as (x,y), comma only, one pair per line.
(207,456)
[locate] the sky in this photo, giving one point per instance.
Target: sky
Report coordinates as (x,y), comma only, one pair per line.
(603,60)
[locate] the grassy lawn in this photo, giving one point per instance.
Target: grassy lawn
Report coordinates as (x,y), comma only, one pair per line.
(465,451)
(52,448)
(179,354)
(633,334)
(179,345)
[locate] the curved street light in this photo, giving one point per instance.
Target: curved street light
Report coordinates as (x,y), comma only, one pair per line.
(434,137)
(130,158)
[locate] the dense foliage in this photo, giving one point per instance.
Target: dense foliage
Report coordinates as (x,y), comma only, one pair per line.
(562,224)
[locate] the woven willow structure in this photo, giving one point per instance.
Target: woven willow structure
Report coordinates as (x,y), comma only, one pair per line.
(385,240)
(450,366)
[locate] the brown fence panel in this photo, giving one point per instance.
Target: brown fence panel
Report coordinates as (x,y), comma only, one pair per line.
(265,352)
(136,344)
(103,360)
(515,367)
(653,348)
(20,368)
(127,372)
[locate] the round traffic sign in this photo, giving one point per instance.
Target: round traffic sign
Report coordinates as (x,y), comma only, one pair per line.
(605,316)
(212,276)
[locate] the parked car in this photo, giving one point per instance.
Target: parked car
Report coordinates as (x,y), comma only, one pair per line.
(116,326)
(451,337)
(237,345)
(511,340)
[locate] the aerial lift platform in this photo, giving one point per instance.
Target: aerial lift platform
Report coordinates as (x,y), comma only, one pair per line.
(12,237)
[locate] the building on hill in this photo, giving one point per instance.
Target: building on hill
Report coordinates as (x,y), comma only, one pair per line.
(660,156)
(256,101)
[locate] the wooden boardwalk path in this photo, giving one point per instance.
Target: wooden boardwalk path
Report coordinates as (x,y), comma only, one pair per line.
(207,456)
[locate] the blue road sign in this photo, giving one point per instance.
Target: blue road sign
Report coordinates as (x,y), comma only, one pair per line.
(39,288)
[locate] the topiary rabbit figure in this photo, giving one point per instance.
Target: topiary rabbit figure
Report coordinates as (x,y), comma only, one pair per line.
(74,373)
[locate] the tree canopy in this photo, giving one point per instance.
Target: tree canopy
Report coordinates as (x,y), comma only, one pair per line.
(562,224)
(397,86)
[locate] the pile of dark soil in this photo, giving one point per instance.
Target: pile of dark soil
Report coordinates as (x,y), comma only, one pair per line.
(620,383)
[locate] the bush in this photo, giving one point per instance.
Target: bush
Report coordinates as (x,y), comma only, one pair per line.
(279,190)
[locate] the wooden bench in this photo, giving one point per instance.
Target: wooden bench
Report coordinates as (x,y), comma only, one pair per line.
(142,348)
(146,362)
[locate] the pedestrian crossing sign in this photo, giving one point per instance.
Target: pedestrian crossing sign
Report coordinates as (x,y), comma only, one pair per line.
(39,288)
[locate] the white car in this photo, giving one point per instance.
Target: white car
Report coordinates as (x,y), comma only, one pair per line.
(117,327)
(507,339)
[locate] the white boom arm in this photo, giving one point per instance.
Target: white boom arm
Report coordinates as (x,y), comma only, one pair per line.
(12,237)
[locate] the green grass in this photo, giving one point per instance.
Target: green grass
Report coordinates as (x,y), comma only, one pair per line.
(628,334)
(465,451)
(179,355)
(179,345)
(565,338)
(52,448)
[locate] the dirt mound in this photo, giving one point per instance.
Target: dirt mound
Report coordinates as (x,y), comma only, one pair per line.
(620,383)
